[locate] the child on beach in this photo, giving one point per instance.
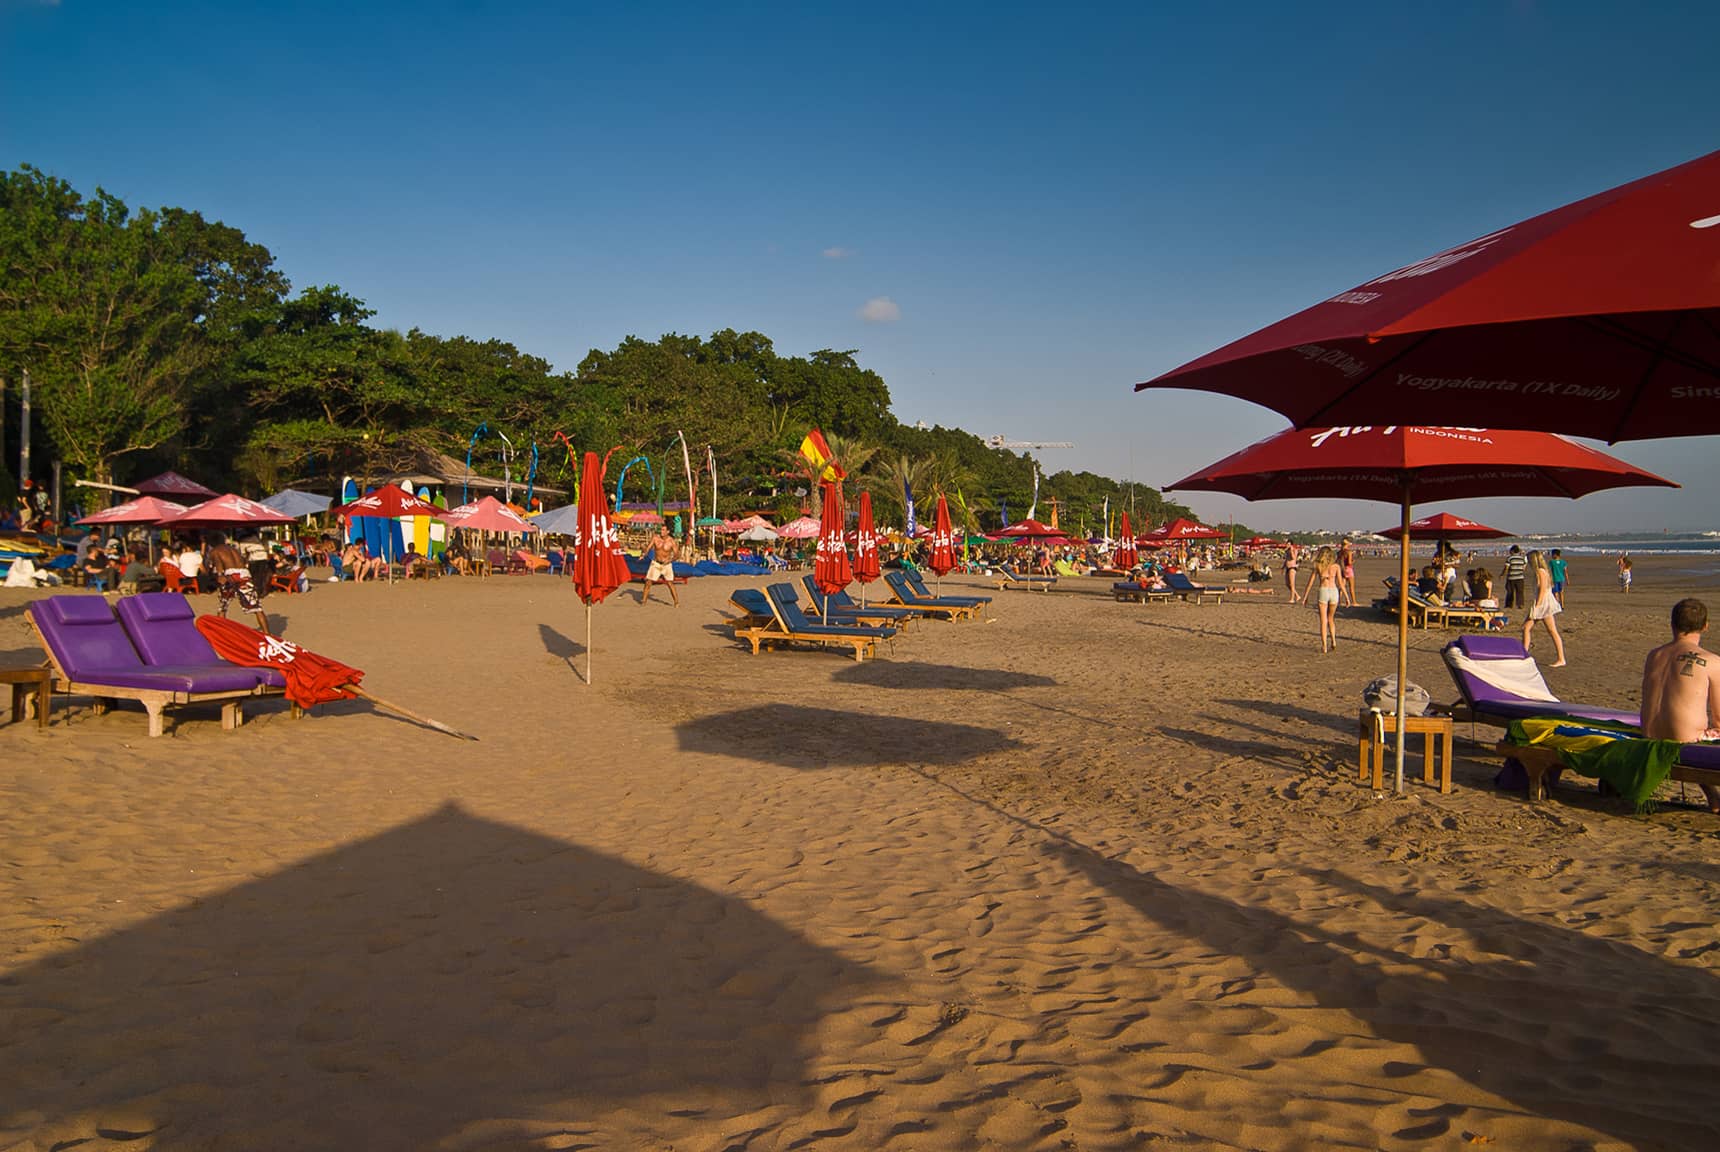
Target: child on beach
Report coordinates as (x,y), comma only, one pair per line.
(1556,565)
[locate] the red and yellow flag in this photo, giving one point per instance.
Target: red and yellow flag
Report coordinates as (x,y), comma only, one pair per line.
(817,452)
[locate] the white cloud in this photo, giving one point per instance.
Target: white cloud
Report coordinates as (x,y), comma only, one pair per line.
(838,253)
(880,310)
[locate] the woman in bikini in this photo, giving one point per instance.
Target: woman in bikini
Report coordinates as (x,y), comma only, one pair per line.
(1328,575)
(1347,561)
(1292,557)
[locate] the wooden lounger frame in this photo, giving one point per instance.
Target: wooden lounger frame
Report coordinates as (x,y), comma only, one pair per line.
(1538,761)
(154,700)
(1143,595)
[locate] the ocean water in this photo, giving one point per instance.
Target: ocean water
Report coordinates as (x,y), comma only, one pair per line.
(1669,544)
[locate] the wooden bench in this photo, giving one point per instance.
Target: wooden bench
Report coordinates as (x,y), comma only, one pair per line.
(37,681)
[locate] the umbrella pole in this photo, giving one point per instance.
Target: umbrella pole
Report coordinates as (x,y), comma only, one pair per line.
(588,645)
(355,690)
(1403,634)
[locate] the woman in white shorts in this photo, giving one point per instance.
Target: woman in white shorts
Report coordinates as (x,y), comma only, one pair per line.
(1328,575)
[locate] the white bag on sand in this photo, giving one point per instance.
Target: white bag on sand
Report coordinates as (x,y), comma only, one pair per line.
(1382,694)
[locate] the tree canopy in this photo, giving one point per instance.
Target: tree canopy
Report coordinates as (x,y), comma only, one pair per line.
(159,339)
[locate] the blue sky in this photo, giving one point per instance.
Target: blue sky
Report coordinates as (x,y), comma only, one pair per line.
(1040,204)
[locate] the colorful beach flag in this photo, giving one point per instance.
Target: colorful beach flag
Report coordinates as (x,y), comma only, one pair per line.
(817,452)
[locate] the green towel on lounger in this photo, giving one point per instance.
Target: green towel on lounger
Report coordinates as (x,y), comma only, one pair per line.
(1616,753)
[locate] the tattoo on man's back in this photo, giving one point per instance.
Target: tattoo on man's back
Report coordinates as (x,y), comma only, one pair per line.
(1689,662)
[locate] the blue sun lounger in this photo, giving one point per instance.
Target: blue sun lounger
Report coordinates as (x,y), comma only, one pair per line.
(1008,577)
(1184,587)
(842,607)
(919,583)
(928,606)
(774,617)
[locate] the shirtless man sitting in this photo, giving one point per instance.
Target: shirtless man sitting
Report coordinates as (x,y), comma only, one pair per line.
(1681,687)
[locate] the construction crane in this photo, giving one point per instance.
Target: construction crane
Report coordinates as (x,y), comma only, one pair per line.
(1000,442)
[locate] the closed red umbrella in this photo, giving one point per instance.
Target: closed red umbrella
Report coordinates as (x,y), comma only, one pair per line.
(1403,465)
(943,555)
(598,568)
(866,566)
(1125,556)
(310,679)
(831,571)
(1601,318)
(1444,526)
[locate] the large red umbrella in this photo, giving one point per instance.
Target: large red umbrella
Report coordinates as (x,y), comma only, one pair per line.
(831,571)
(143,510)
(943,555)
(1029,530)
(1125,556)
(487,514)
(1184,529)
(171,485)
(1402,465)
(1445,526)
(311,679)
(228,509)
(866,566)
(598,568)
(388,502)
(1601,318)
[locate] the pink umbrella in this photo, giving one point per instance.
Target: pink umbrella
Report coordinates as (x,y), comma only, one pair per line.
(143,510)
(175,485)
(487,514)
(804,528)
(228,509)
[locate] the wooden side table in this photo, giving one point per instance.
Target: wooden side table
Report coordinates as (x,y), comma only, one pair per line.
(24,681)
(1368,749)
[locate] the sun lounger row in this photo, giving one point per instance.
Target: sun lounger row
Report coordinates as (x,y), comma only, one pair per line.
(1498,682)
(774,616)
(1425,613)
(151,652)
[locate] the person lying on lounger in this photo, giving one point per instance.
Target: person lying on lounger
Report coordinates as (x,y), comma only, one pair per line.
(1681,686)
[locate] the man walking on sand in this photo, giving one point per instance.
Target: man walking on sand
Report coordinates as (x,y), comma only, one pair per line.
(665,549)
(1681,686)
(1516,569)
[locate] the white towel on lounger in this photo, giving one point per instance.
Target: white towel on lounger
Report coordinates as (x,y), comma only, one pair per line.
(1518,675)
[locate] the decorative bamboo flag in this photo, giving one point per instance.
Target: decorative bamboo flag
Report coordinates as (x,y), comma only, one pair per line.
(817,452)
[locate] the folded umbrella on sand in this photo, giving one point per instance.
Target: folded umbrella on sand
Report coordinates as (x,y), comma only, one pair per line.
(311,679)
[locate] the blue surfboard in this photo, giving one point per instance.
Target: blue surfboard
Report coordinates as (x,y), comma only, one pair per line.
(354,526)
(374,534)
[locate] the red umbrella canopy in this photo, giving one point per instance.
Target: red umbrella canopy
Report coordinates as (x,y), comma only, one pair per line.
(1444,526)
(143,510)
(1125,555)
(390,500)
(1029,530)
(1601,318)
(1423,463)
(598,568)
(172,484)
(831,570)
(1184,529)
(311,679)
(866,568)
(943,556)
(228,509)
(487,514)
(1262,542)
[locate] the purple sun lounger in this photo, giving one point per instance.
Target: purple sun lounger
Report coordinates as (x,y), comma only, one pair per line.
(1486,704)
(163,628)
(92,655)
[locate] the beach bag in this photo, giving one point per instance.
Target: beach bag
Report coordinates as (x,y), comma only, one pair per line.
(1382,694)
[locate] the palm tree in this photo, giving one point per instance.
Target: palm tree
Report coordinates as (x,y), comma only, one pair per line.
(851,454)
(898,471)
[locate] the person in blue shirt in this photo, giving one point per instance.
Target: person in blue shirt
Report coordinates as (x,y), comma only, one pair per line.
(1556,565)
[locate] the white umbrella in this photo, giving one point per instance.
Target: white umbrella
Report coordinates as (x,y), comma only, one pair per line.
(758,534)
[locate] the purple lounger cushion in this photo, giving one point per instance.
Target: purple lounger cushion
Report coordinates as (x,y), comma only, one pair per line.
(1485,698)
(91,648)
(163,628)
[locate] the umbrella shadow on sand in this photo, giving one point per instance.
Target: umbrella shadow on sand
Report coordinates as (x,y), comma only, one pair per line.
(907,674)
(452,979)
(1560,1023)
(563,648)
(799,737)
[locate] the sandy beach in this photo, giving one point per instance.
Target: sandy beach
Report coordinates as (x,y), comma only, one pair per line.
(1082,875)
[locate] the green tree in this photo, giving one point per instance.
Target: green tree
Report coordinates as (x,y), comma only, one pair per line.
(94,302)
